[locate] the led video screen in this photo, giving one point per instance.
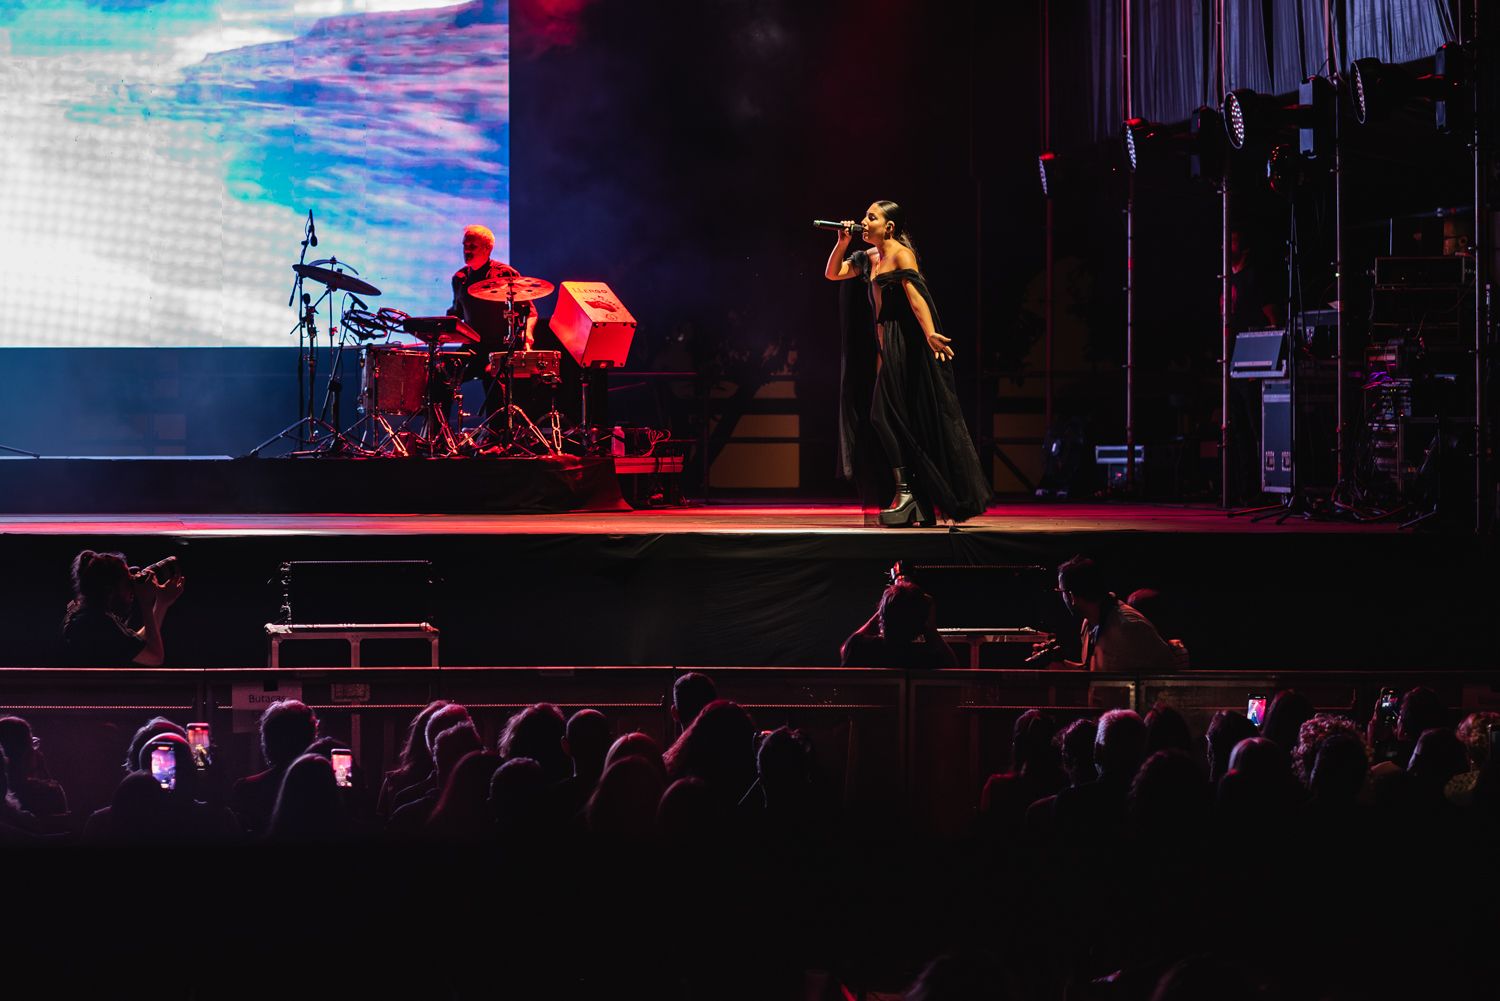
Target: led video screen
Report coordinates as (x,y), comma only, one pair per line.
(160,158)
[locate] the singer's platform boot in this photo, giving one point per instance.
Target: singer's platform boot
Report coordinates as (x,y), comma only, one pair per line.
(904,509)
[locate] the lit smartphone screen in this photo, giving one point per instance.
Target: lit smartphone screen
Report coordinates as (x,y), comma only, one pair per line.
(343,768)
(1256,709)
(164,765)
(198,739)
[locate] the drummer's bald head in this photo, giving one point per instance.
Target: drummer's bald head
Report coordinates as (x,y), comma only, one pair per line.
(482,234)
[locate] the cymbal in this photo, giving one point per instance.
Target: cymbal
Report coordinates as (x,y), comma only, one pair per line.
(336,279)
(500,288)
(440,330)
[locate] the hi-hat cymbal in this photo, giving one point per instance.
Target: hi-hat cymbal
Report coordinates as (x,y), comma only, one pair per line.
(524,288)
(336,279)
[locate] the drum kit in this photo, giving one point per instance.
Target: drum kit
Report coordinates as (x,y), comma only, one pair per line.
(407,391)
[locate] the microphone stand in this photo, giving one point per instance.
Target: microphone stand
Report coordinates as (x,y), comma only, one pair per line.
(307,334)
(302,326)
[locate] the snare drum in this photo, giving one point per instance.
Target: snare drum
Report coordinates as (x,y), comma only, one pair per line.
(393,379)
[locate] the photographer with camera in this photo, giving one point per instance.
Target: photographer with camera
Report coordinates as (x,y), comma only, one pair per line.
(1115,637)
(98,630)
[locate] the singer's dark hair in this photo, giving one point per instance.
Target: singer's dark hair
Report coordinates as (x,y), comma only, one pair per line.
(95,576)
(897,215)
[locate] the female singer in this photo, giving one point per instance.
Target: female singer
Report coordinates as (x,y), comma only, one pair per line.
(914,411)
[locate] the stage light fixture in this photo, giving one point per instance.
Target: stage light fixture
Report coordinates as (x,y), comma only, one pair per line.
(1044,165)
(1377,88)
(1201,137)
(1127,136)
(1251,117)
(1236,104)
(1368,90)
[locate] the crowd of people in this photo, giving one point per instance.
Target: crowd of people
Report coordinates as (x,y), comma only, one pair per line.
(547,775)
(1117,857)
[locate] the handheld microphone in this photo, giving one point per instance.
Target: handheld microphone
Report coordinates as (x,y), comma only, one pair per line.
(312,229)
(852,227)
(358,302)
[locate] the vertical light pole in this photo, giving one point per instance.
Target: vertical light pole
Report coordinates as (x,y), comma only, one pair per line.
(1484,245)
(1129,268)
(1224,332)
(1047,223)
(1341,423)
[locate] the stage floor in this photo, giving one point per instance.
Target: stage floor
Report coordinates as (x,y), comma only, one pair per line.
(1022,518)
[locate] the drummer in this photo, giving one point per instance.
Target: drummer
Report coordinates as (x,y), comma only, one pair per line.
(487,317)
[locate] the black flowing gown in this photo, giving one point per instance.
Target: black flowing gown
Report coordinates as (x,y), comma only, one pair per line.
(914,414)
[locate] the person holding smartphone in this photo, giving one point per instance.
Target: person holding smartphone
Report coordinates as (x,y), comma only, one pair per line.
(108,598)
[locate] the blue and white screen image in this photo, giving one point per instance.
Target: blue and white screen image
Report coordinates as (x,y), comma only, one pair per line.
(158,159)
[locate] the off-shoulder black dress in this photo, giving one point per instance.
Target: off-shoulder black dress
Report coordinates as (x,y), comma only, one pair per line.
(914,412)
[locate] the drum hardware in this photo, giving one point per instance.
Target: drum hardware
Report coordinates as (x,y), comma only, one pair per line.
(546,367)
(312,429)
(394,383)
(399,383)
(369,326)
(512,363)
(540,365)
(435,331)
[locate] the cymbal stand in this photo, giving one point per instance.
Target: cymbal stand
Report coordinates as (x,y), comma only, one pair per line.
(333,440)
(515,339)
(511,437)
(339,440)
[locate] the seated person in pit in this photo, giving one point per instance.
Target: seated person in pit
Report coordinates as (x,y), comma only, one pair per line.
(905,614)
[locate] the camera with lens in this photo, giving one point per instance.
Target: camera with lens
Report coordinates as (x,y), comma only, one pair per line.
(1045,654)
(162,570)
